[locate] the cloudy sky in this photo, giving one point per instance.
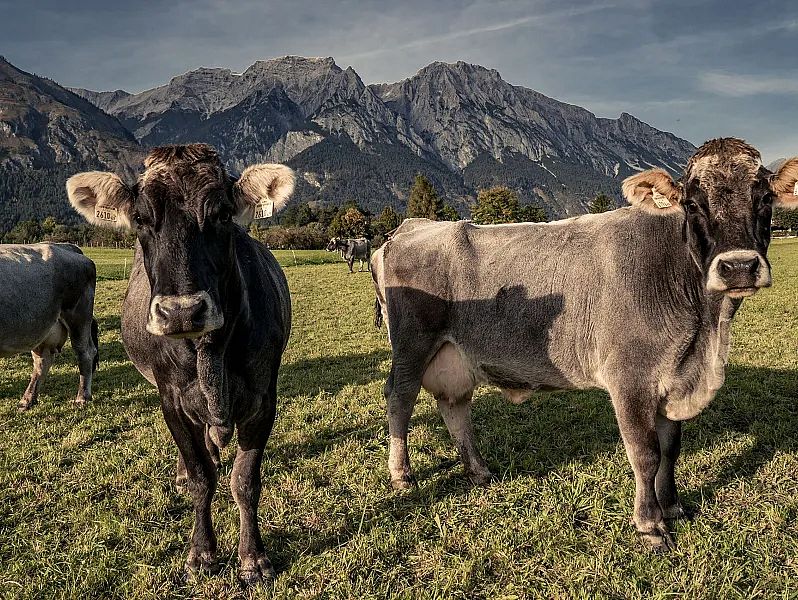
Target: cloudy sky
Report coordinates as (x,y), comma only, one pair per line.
(698,69)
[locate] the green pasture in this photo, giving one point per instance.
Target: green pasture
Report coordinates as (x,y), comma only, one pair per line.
(88,507)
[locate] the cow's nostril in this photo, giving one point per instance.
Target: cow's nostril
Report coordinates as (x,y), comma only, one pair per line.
(750,265)
(199,311)
(725,267)
(161,311)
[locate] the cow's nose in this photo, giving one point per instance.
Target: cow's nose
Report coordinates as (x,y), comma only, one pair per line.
(730,266)
(182,315)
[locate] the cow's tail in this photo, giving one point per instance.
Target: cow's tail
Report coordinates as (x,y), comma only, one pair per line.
(377,312)
(95,337)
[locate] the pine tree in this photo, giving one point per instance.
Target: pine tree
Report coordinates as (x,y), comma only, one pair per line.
(424,200)
(601,203)
(500,205)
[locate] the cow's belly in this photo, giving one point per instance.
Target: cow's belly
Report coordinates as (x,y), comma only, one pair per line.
(28,332)
(451,374)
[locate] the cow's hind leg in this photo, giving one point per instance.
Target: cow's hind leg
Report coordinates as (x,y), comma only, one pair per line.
(245,483)
(637,422)
(670,443)
(83,333)
(42,359)
(201,480)
(457,416)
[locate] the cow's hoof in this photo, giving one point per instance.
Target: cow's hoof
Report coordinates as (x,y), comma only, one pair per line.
(81,400)
(201,563)
(481,479)
(256,571)
(25,404)
(659,540)
(404,483)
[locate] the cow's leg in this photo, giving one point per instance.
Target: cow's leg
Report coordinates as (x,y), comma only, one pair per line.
(245,482)
(83,333)
(42,359)
(457,416)
(401,391)
(351,263)
(637,423)
(201,480)
(670,444)
(182,476)
(213,449)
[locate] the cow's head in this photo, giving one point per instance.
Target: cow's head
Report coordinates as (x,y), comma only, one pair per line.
(334,244)
(184,209)
(726,197)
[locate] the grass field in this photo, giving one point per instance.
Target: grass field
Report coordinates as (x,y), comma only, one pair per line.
(88,507)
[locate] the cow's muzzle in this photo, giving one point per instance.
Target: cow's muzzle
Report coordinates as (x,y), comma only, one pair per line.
(738,273)
(184,316)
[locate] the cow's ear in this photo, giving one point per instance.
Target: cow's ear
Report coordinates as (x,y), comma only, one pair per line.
(654,191)
(784,184)
(264,189)
(102,199)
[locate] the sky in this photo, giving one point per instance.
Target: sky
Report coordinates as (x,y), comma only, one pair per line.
(696,69)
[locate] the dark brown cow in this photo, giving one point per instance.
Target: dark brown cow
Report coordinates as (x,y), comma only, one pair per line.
(206,319)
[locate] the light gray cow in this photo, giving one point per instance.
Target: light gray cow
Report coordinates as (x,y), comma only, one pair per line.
(47,295)
(637,301)
(352,250)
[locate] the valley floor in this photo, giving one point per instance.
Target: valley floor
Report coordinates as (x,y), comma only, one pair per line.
(89,507)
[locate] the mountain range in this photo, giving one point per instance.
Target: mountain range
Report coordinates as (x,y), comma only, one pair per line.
(462,125)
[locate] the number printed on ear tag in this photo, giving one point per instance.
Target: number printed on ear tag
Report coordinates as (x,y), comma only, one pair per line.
(660,201)
(264,209)
(106,213)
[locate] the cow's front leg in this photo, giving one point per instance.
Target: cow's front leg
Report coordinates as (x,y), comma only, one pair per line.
(351,264)
(637,423)
(200,483)
(42,360)
(457,416)
(245,482)
(400,395)
(670,444)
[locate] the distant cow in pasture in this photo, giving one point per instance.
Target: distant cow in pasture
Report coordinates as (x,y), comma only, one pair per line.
(47,296)
(637,301)
(352,250)
(206,319)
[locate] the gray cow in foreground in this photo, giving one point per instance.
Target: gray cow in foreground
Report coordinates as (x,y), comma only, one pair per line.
(47,295)
(637,301)
(352,250)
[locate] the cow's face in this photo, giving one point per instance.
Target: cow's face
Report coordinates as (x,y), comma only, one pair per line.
(333,245)
(183,210)
(726,197)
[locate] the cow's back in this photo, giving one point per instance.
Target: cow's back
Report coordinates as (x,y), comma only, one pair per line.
(39,282)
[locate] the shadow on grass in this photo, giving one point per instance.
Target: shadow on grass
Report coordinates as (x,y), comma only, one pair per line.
(543,435)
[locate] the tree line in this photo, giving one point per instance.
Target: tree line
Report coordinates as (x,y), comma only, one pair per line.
(310,225)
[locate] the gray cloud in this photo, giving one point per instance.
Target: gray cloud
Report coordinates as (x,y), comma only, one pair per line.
(699,69)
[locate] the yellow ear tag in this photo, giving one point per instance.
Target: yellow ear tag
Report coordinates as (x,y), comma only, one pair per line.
(660,201)
(264,209)
(795,189)
(106,213)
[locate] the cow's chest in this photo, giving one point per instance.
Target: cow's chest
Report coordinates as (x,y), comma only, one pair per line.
(689,390)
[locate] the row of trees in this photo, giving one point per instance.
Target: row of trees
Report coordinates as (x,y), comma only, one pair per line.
(310,225)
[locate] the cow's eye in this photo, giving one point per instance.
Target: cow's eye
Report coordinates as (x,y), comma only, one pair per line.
(138,220)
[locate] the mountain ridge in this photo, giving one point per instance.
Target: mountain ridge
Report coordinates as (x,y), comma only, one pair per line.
(461,124)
